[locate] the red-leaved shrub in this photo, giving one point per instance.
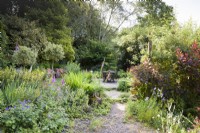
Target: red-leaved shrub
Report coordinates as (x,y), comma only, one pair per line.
(188,73)
(145,78)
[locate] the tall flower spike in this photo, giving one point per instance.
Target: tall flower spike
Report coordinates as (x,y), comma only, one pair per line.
(53,79)
(17,47)
(63,82)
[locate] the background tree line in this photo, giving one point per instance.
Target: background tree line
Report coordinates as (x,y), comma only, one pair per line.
(79,31)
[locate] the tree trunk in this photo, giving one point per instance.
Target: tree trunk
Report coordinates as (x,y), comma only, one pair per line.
(52,65)
(149,49)
(30,70)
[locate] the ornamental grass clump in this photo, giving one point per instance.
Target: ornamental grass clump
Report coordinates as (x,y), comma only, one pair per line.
(75,80)
(15,91)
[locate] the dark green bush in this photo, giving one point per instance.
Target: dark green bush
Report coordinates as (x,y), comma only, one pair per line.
(124,85)
(92,54)
(122,74)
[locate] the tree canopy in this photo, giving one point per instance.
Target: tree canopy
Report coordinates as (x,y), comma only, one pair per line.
(84,30)
(155,12)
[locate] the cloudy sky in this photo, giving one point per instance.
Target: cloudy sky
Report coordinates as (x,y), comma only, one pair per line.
(186,9)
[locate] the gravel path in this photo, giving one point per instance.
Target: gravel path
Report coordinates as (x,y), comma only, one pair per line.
(113,94)
(114,122)
(109,85)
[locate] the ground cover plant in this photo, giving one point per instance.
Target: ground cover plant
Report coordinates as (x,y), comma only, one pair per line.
(38,102)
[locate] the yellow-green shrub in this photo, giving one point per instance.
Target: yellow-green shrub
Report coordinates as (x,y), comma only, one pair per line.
(34,76)
(8,74)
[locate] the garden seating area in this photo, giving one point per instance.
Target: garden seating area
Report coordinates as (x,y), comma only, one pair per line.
(109,76)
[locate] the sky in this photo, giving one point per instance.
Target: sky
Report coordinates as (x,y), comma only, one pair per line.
(186,10)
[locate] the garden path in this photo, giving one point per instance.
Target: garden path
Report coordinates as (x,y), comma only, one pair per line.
(114,122)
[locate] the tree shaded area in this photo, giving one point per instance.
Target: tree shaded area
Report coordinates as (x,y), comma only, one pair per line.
(82,28)
(52,16)
(36,23)
(92,54)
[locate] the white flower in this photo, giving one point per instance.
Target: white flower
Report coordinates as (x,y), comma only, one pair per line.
(147,98)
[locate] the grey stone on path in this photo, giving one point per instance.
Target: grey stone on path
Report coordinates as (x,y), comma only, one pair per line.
(113,94)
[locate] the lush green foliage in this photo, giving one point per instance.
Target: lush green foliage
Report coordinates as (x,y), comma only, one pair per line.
(36,23)
(53,52)
(92,54)
(85,22)
(121,74)
(156,12)
(31,104)
(72,67)
(3,42)
(8,74)
(46,115)
(11,74)
(130,43)
(124,84)
(23,33)
(82,81)
(21,85)
(169,69)
(146,111)
(55,14)
(172,65)
(20,117)
(150,112)
(76,103)
(15,91)
(53,116)
(24,56)
(42,31)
